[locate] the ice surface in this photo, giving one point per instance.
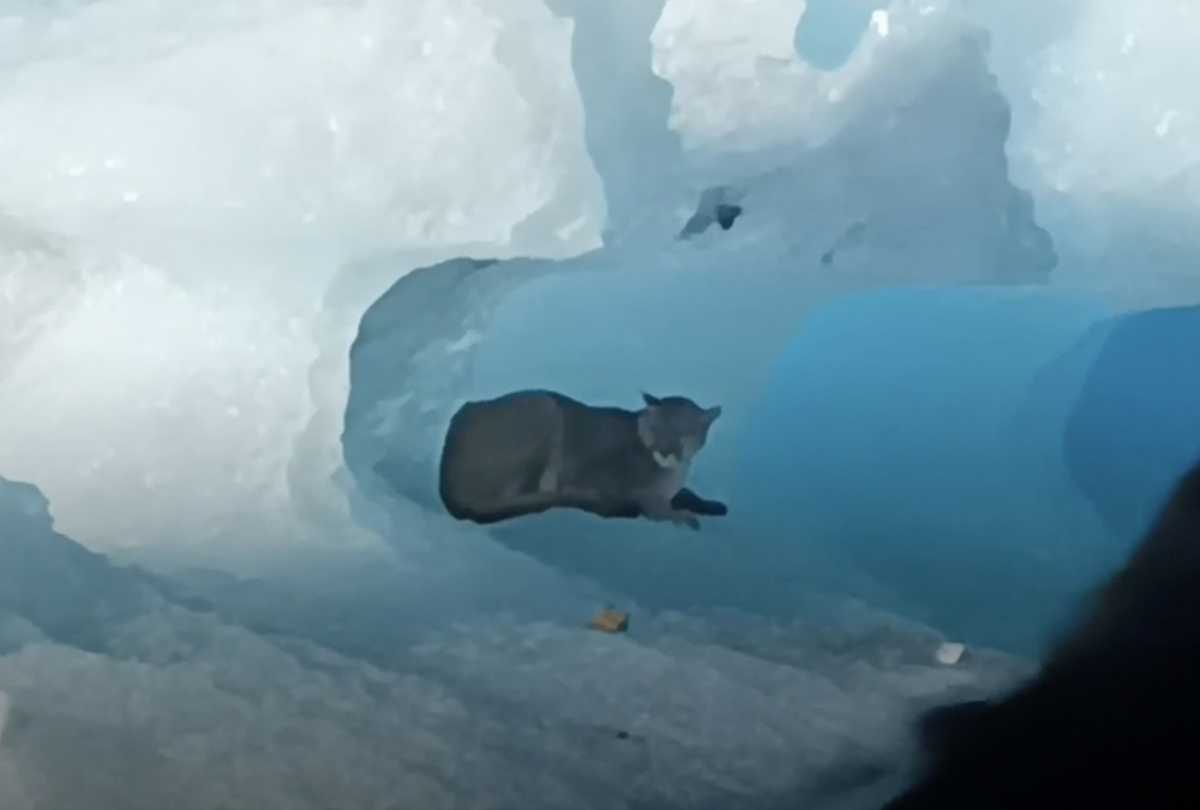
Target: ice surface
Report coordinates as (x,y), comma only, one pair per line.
(254,700)
(200,714)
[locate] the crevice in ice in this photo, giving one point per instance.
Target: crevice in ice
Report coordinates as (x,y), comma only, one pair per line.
(717,205)
(851,238)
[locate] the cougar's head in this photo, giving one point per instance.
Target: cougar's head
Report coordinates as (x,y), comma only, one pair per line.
(674,428)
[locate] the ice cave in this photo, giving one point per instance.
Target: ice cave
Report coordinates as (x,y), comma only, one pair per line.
(936,263)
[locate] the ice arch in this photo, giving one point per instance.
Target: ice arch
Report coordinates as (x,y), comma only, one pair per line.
(910,191)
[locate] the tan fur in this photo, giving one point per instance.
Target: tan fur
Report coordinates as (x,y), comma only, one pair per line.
(530,451)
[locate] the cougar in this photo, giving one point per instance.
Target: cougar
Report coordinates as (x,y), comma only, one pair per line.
(530,451)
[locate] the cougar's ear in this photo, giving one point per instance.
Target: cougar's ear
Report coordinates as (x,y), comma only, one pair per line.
(712,413)
(651,401)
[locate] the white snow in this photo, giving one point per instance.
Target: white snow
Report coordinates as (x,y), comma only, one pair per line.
(950,653)
(179,187)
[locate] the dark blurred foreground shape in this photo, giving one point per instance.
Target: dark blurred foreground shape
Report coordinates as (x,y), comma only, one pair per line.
(1113,719)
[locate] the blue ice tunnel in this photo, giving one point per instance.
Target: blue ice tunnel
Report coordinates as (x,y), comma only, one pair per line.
(933,451)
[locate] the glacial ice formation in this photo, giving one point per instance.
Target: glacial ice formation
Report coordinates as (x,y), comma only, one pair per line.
(894,441)
(166,248)
(53,588)
(642,312)
(829,31)
(669,305)
(252,255)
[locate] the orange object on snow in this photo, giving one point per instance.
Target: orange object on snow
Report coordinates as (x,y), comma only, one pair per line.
(610,621)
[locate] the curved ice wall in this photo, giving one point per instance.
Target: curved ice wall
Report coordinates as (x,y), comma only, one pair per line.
(910,188)
(200,201)
(905,448)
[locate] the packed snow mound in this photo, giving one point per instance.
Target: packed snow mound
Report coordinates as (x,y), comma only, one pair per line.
(862,159)
(166,249)
(173,407)
(200,714)
(1116,57)
(1105,133)
(740,83)
(39,280)
(360,125)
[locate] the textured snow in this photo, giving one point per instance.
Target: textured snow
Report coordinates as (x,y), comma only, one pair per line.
(248,695)
(200,714)
(166,249)
(1104,134)
(334,123)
